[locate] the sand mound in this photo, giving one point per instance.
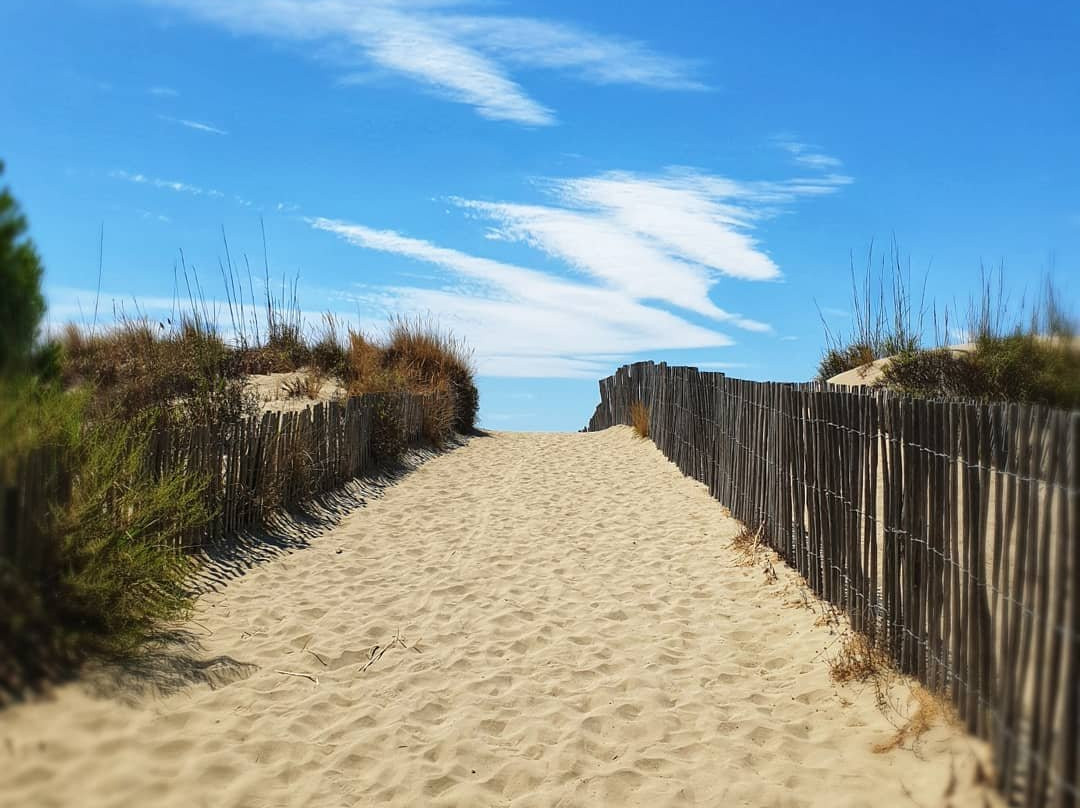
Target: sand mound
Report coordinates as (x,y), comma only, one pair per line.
(270,390)
(529,620)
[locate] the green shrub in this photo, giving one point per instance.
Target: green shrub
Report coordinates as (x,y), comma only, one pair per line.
(838,360)
(1020,367)
(936,373)
(113,570)
(120,571)
(328,353)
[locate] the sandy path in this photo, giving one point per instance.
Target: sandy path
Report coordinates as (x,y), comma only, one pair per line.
(574,632)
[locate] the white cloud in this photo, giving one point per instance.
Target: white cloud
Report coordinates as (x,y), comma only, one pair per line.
(166,92)
(171,185)
(452,49)
(196,125)
(805,154)
(151,216)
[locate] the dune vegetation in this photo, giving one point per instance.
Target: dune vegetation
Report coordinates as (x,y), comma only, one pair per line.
(1026,352)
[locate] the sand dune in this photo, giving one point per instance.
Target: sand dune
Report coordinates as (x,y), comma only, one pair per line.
(530,620)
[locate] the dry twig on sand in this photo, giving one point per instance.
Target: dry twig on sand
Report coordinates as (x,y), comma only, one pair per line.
(397,640)
(315,679)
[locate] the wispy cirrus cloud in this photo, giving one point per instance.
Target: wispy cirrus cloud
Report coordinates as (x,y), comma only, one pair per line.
(628,242)
(458,49)
(805,154)
(149,215)
(196,125)
(171,185)
(197,190)
(163,92)
(667,237)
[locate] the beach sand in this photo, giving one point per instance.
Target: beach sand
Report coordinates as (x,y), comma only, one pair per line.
(528,620)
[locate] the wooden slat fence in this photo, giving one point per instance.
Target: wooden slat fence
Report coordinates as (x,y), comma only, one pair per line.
(949,532)
(255,467)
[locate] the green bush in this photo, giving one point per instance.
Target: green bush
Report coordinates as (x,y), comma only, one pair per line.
(935,373)
(1020,367)
(121,572)
(838,360)
(1024,368)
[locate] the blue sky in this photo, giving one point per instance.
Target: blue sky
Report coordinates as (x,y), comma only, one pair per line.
(569,186)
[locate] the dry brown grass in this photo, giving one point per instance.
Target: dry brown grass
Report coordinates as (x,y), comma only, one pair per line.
(929,710)
(435,359)
(363,363)
(308,384)
(908,705)
(137,365)
(439,415)
(860,659)
(184,366)
(746,543)
(417,356)
(639,419)
(140,364)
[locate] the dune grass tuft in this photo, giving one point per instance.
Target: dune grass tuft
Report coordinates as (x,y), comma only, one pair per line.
(417,356)
(746,544)
(929,710)
(886,319)
(639,419)
(859,659)
(119,570)
(308,384)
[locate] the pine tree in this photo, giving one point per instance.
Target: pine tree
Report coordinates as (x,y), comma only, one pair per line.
(22,305)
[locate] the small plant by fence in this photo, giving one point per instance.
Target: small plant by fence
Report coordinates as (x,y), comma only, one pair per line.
(949,533)
(251,468)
